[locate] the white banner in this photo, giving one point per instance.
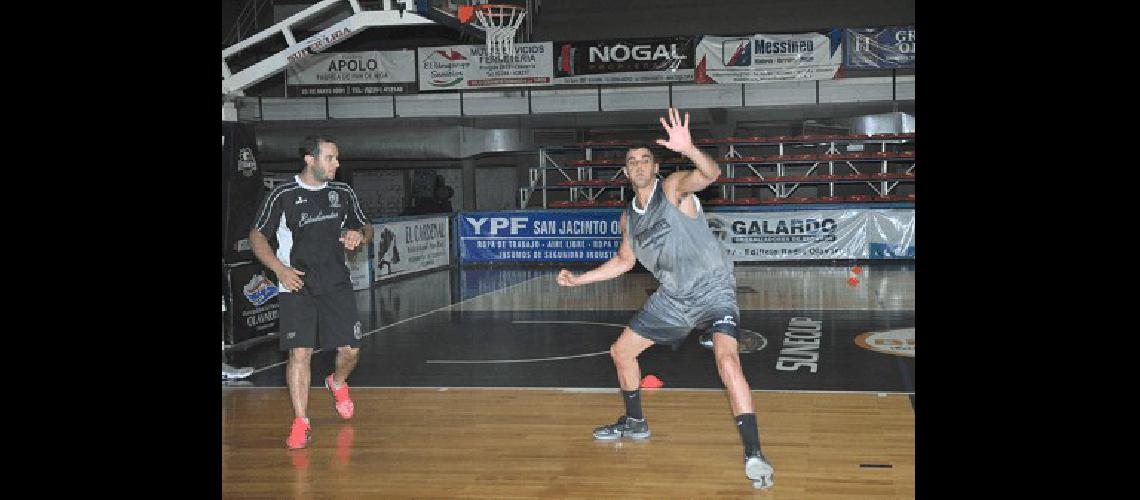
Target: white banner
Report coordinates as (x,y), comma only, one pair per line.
(408,246)
(769,58)
(461,67)
(353,73)
(815,234)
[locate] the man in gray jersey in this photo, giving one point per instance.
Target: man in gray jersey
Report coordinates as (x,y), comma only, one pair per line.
(665,229)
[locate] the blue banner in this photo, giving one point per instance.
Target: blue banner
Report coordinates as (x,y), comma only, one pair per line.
(878,48)
(539,236)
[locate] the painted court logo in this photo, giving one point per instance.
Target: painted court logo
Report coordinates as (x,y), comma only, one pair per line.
(898,342)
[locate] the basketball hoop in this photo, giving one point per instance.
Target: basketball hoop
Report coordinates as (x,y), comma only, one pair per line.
(500,22)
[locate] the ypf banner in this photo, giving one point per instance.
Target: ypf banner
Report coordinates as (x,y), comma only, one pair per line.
(769,58)
(815,234)
(875,48)
(461,67)
(636,60)
(353,73)
(541,236)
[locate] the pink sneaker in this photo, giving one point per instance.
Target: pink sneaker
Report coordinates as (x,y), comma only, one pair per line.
(299,435)
(344,404)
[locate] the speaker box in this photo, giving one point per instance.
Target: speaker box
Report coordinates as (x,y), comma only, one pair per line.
(251,301)
(242,190)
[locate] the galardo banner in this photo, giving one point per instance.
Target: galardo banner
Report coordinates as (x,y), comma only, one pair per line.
(769,58)
(465,67)
(633,60)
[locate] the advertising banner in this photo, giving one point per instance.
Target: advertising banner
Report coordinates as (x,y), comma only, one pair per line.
(769,58)
(409,245)
(539,236)
(353,74)
(252,309)
(634,60)
(815,234)
(878,48)
(465,67)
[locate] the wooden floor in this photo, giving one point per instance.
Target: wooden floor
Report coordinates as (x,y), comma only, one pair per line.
(526,443)
(495,443)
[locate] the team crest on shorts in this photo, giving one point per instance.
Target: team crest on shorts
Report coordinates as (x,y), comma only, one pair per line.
(356,330)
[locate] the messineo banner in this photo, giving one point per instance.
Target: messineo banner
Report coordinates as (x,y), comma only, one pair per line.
(769,58)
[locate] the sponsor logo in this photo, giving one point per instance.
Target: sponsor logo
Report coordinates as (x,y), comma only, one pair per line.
(259,289)
(356,331)
(246,164)
(727,320)
(290,335)
(299,201)
(445,67)
(737,52)
(717,227)
(899,342)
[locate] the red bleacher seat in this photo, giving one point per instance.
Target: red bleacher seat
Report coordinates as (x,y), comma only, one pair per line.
(830,199)
(800,199)
(746,201)
(857,198)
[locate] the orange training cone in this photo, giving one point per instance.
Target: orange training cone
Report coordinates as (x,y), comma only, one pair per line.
(651,382)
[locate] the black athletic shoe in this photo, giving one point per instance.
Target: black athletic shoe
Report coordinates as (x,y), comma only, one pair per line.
(625,426)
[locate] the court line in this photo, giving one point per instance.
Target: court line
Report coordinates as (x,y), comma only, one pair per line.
(584,389)
(274,365)
(532,360)
(489,361)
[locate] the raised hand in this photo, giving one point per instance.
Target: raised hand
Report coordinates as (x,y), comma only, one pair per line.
(679,138)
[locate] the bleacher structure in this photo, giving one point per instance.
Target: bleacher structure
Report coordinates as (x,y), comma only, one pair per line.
(754,170)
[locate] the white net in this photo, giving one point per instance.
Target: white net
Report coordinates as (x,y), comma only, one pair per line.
(501,23)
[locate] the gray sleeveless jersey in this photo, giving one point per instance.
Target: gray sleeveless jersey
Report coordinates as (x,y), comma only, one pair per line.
(682,253)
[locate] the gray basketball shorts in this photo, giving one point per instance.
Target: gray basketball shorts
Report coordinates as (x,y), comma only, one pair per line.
(668,319)
(332,314)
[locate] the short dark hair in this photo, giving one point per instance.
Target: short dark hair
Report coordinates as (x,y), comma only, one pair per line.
(311,145)
(649,150)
